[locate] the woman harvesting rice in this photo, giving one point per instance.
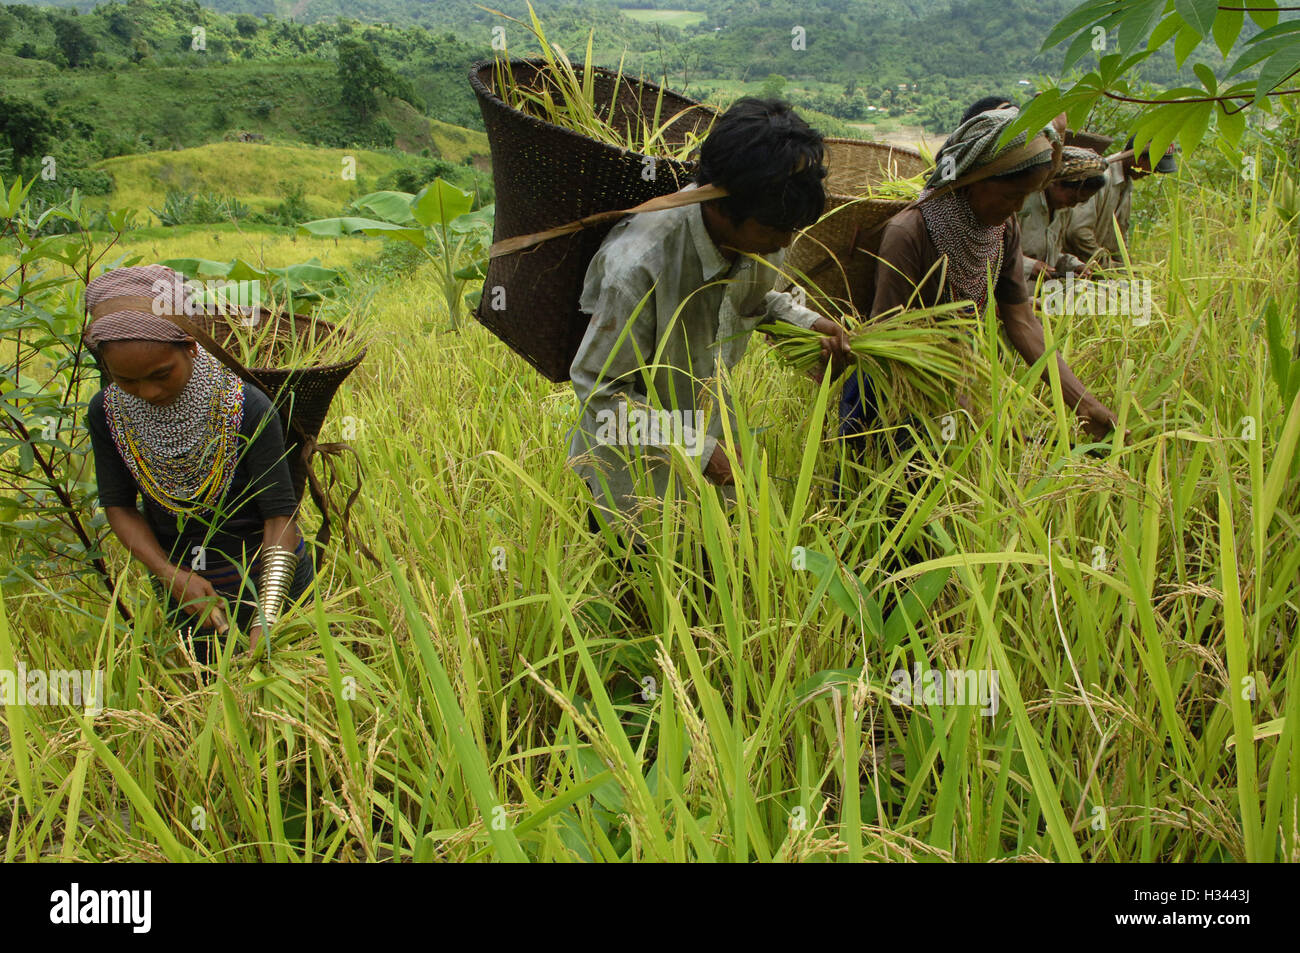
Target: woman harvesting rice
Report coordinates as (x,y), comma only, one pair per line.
(1045,216)
(967,215)
(203,449)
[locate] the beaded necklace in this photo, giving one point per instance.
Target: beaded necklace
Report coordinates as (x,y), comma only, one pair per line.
(183,455)
(969,244)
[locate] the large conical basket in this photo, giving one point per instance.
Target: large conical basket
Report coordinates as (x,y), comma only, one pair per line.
(832,259)
(546,175)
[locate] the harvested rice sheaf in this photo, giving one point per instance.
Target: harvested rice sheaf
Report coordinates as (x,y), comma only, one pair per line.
(914,358)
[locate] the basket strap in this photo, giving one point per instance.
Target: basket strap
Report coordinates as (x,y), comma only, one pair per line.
(685,197)
(320,495)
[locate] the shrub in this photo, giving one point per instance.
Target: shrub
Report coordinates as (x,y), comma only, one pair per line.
(189,208)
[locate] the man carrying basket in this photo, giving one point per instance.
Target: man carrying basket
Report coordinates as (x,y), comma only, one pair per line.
(206,453)
(675,294)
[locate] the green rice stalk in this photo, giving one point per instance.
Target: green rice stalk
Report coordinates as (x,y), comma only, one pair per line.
(282,339)
(912,356)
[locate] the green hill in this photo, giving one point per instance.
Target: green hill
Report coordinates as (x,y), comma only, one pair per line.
(260,175)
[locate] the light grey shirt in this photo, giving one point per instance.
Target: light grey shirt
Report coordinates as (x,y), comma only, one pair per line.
(699,312)
(1092,226)
(1042,237)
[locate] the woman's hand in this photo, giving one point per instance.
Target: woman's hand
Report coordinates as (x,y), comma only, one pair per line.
(197,597)
(1097,419)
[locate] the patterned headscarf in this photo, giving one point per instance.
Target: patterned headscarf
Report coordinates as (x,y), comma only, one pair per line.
(969,245)
(974,144)
(182,455)
(1079,163)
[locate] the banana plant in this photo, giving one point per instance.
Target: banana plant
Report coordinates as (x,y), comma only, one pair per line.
(298,288)
(438,220)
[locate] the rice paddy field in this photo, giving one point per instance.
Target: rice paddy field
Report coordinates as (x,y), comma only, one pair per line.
(678,18)
(478,692)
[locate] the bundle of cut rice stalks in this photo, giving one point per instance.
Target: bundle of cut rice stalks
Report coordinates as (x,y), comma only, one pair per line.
(916,359)
(566,95)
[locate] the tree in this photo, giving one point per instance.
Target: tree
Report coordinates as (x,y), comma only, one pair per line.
(773,86)
(26,128)
(1182,114)
(121,25)
(361,74)
(72,40)
(246,25)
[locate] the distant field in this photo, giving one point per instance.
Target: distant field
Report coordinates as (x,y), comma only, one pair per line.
(456,142)
(262,245)
(677,18)
(898,135)
(259,175)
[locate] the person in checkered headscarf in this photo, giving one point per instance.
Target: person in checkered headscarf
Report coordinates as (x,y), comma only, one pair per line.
(966,217)
(201,449)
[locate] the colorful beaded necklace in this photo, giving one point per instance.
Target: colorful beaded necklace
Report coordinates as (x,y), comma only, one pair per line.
(182,455)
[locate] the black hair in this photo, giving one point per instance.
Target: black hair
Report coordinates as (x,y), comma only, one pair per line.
(769,161)
(984,105)
(1094,182)
(1128,146)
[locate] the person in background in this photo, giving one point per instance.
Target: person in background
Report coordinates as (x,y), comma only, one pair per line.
(1092,234)
(975,227)
(1045,215)
(205,453)
(990,103)
(986,104)
(674,295)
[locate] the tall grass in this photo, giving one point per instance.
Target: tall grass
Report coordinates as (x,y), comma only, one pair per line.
(480,695)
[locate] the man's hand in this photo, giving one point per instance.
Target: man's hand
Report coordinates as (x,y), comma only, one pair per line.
(836,351)
(719,468)
(1040,268)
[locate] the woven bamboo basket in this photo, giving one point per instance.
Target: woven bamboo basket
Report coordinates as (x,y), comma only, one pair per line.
(302,395)
(833,256)
(544,176)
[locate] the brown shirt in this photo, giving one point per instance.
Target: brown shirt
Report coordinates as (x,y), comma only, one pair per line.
(907,253)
